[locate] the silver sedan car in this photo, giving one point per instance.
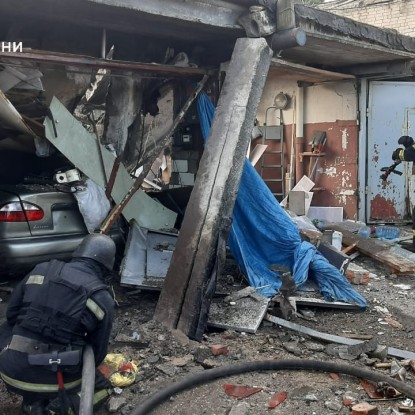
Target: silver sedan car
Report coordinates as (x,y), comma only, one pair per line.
(38,222)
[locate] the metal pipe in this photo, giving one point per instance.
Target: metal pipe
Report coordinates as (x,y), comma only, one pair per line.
(104,44)
(299,134)
(88,382)
(291,178)
(290,38)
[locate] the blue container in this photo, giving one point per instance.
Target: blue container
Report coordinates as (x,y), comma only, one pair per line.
(388,232)
(364,232)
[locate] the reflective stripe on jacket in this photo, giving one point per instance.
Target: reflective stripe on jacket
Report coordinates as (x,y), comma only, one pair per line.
(38,387)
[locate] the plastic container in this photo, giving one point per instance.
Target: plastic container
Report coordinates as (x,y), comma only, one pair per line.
(388,232)
(337,240)
(364,232)
(327,236)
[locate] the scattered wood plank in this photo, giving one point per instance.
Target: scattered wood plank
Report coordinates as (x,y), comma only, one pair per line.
(375,249)
(349,248)
(388,365)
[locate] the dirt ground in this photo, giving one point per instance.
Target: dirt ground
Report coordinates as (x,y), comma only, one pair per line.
(165,356)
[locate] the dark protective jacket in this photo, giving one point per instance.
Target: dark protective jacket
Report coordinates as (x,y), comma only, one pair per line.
(407,154)
(72,308)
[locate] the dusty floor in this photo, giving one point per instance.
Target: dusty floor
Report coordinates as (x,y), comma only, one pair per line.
(165,357)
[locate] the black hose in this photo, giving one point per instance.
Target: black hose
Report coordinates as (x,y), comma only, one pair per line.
(189,382)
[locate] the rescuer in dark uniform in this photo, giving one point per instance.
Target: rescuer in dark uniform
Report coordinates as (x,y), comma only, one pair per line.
(406,154)
(53,313)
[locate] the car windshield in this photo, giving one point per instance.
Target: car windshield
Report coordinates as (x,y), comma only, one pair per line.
(18,167)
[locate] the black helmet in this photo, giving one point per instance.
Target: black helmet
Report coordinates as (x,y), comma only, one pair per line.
(98,247)
(406,141)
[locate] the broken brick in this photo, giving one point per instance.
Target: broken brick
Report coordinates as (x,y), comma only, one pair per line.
(240,392)
(334,376)
(395,324)
(357,275)
(364,409)
(218,349)
(348,402)
(371,389)
(276,399)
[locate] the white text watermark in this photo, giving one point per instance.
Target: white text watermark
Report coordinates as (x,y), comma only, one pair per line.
(11,46)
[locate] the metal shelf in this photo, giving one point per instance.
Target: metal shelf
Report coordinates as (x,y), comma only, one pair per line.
(274,134)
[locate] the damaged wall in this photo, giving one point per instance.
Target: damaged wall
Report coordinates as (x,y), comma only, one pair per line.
(123,107)
(66,84)
(397,14)
(330,107)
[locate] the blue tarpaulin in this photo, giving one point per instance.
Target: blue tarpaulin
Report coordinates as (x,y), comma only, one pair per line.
(263,234)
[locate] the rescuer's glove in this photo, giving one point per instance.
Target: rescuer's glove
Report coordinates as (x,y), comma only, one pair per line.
(397,155)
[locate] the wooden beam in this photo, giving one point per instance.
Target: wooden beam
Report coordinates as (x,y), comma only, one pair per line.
(376,249)
(81,61)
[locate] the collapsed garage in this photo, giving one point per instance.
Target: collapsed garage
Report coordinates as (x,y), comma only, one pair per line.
(101,125)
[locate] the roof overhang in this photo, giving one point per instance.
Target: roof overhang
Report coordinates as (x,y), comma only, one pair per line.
(176,19)
(306,74)
(333,43)
(331,51)
(338,42)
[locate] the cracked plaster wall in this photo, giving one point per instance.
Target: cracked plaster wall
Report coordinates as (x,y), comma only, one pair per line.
(331,107)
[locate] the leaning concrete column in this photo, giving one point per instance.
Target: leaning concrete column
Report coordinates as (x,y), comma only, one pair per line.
(188,284)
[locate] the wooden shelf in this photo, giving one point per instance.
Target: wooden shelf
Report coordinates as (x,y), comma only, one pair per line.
(311,154)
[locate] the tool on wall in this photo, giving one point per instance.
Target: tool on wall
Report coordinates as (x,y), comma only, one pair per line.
(317,146)
(390,169)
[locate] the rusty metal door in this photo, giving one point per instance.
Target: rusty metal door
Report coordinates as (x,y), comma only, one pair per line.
(391,113)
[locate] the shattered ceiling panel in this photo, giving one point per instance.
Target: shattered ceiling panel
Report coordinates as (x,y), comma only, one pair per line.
(81,148)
